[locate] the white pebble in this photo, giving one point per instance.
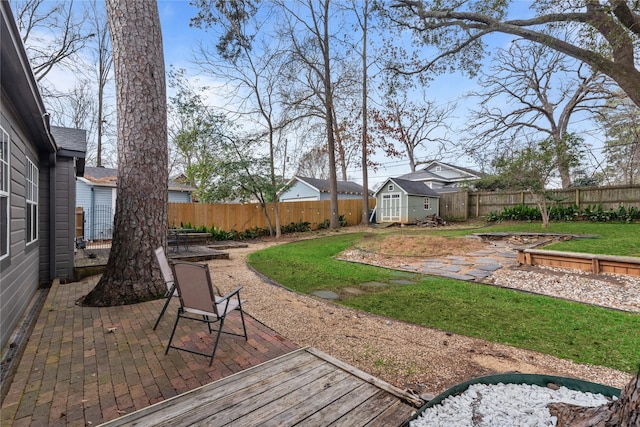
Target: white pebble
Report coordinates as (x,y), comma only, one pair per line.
(505,405)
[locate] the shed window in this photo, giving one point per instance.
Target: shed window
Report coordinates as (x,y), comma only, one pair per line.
(426,203)
(32,201)
(4,193)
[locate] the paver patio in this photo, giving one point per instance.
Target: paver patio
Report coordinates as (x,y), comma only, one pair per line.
(87,365)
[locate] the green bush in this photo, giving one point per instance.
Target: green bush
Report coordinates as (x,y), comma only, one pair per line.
(559,213)
(299,227)
(571,213)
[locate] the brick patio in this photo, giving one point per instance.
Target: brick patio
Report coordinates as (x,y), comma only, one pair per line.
(76,372)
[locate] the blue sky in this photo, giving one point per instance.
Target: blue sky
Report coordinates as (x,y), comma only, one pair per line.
(179,39)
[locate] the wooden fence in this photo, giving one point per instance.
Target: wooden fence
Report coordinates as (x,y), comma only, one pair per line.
(240,217)
(466,205)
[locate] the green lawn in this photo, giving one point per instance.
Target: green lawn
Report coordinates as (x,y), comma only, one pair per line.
(609,238)
(579,332)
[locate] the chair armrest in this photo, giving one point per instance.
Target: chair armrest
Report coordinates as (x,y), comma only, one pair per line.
(236,291)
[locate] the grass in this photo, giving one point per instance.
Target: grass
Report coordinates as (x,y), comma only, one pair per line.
(308,265)
(609,238)
(582,333)
(579,332)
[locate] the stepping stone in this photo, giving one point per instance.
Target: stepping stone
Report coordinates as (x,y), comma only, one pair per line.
(459,258)
(326,294)
(489,267)
(434,265)
(479,274)
(460,262)
(410,267)
(451,268)
(375,284)
(508,255)
(485,260)
(403,282)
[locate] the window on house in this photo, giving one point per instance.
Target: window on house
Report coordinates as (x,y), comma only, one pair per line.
(438,168)
(32,201)
(4,193)
(390,187)
(426,203)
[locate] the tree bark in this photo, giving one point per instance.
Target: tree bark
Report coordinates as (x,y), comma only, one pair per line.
(624,412)
(140,223)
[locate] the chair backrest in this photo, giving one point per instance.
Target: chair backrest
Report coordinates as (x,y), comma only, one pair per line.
(167,275)
(194,286)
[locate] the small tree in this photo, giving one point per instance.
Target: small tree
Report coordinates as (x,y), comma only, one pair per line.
(532,168)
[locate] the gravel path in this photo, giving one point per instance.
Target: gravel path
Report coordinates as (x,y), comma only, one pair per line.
(422,360)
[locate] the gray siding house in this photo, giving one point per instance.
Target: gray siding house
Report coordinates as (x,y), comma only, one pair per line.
(405,202)
(35,174)
(301,189)
(96,195)
(444,177)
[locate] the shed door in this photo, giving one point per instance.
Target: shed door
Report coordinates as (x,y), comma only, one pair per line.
(390,207)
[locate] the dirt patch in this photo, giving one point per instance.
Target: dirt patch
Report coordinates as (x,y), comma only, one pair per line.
(420,246)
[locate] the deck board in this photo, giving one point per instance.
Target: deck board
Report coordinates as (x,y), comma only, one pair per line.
(303,388)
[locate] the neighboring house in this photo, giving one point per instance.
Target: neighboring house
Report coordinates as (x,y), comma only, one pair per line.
(404,201)
(96,195)
(36,177)
(301,189)
(444,177)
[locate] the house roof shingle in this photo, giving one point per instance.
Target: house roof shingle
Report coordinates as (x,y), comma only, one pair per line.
(323,185)
(69,138)
(109,176)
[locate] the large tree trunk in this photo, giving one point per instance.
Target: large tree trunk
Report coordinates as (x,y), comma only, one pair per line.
(141,223)
(624,412)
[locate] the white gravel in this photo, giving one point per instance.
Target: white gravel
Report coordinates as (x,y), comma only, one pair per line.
(501,405)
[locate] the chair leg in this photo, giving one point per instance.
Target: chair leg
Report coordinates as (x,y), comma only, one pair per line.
(215,346)
(242,317)
(173,331)
(166,304)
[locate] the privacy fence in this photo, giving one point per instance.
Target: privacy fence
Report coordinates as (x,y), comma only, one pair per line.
(240,217)
(468,205)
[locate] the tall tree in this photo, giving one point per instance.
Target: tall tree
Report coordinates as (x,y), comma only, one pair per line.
(314,163)
(52,32)
(530,87)
(622,146)
(104,64)
(248,59)
(140,223)
(607,33)
(413,126)
(308,31)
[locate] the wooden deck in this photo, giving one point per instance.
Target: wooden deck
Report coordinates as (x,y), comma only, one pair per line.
(303,388)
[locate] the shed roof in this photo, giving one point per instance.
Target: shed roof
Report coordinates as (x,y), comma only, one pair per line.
(412,188)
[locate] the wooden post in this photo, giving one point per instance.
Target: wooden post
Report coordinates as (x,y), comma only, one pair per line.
(477,205)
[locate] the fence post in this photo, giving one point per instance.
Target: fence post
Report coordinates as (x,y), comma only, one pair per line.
(477,205)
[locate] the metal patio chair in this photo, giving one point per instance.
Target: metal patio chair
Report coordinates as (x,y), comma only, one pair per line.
(167,275)
(197,298)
